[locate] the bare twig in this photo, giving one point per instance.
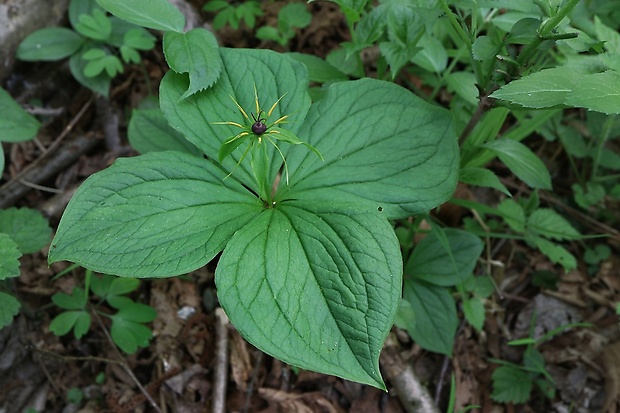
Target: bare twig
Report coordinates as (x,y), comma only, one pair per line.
(124,365)
(221,362)
(248,392)
(76,358)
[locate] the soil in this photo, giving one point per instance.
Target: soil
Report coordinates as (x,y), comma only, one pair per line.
(180,367)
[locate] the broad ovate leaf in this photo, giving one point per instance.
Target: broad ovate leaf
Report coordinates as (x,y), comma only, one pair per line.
(156,215)
(49,44)
(383,147)
(317,287)
(435,314)
(195,53)
(432,262)
(522,162)
(148,131)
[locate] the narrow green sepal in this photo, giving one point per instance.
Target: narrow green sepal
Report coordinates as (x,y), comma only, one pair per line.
(260,166)
(289,137)
(228,146)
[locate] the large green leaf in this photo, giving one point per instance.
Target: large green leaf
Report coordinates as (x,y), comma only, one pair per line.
(148,131)
(316,287)
(545,89)
(565,86)
(598,91)
(160,214)
(274,75)
(522,162)
(383,147)
(435,315)
(435,264)
(153,14)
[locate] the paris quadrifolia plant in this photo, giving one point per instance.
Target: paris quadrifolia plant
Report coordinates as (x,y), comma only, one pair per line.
(310,269)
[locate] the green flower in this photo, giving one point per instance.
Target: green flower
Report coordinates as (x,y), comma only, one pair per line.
(257,131)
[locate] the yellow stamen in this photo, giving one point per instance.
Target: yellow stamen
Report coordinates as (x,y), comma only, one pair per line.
(234,138)
(256,100)
(274,105)
(245,115)
(282,119)
(229,123)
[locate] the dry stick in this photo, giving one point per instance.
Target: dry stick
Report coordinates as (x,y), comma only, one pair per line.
(221,361)
(77,358)
(414,397)
(121,362)
(15,189)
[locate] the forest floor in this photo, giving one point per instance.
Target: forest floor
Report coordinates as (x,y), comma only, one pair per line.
(179,368)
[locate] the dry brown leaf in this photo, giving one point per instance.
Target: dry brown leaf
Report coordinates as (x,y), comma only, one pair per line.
(240,361)
(288,402)
(167,322)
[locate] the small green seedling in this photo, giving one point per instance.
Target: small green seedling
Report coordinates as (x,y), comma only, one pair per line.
(513,383)
(97,47)
(75,395)
(233,15)
(22,231)
(127,330)
(292,16)
(16,125)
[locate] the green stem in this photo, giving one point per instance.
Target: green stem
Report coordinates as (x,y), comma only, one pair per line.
(545,29)
(601,144)
(87,278)
(452,18)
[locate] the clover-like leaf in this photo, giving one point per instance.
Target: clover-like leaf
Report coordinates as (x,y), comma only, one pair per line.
(9,307)
(127,331)
(79,321)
